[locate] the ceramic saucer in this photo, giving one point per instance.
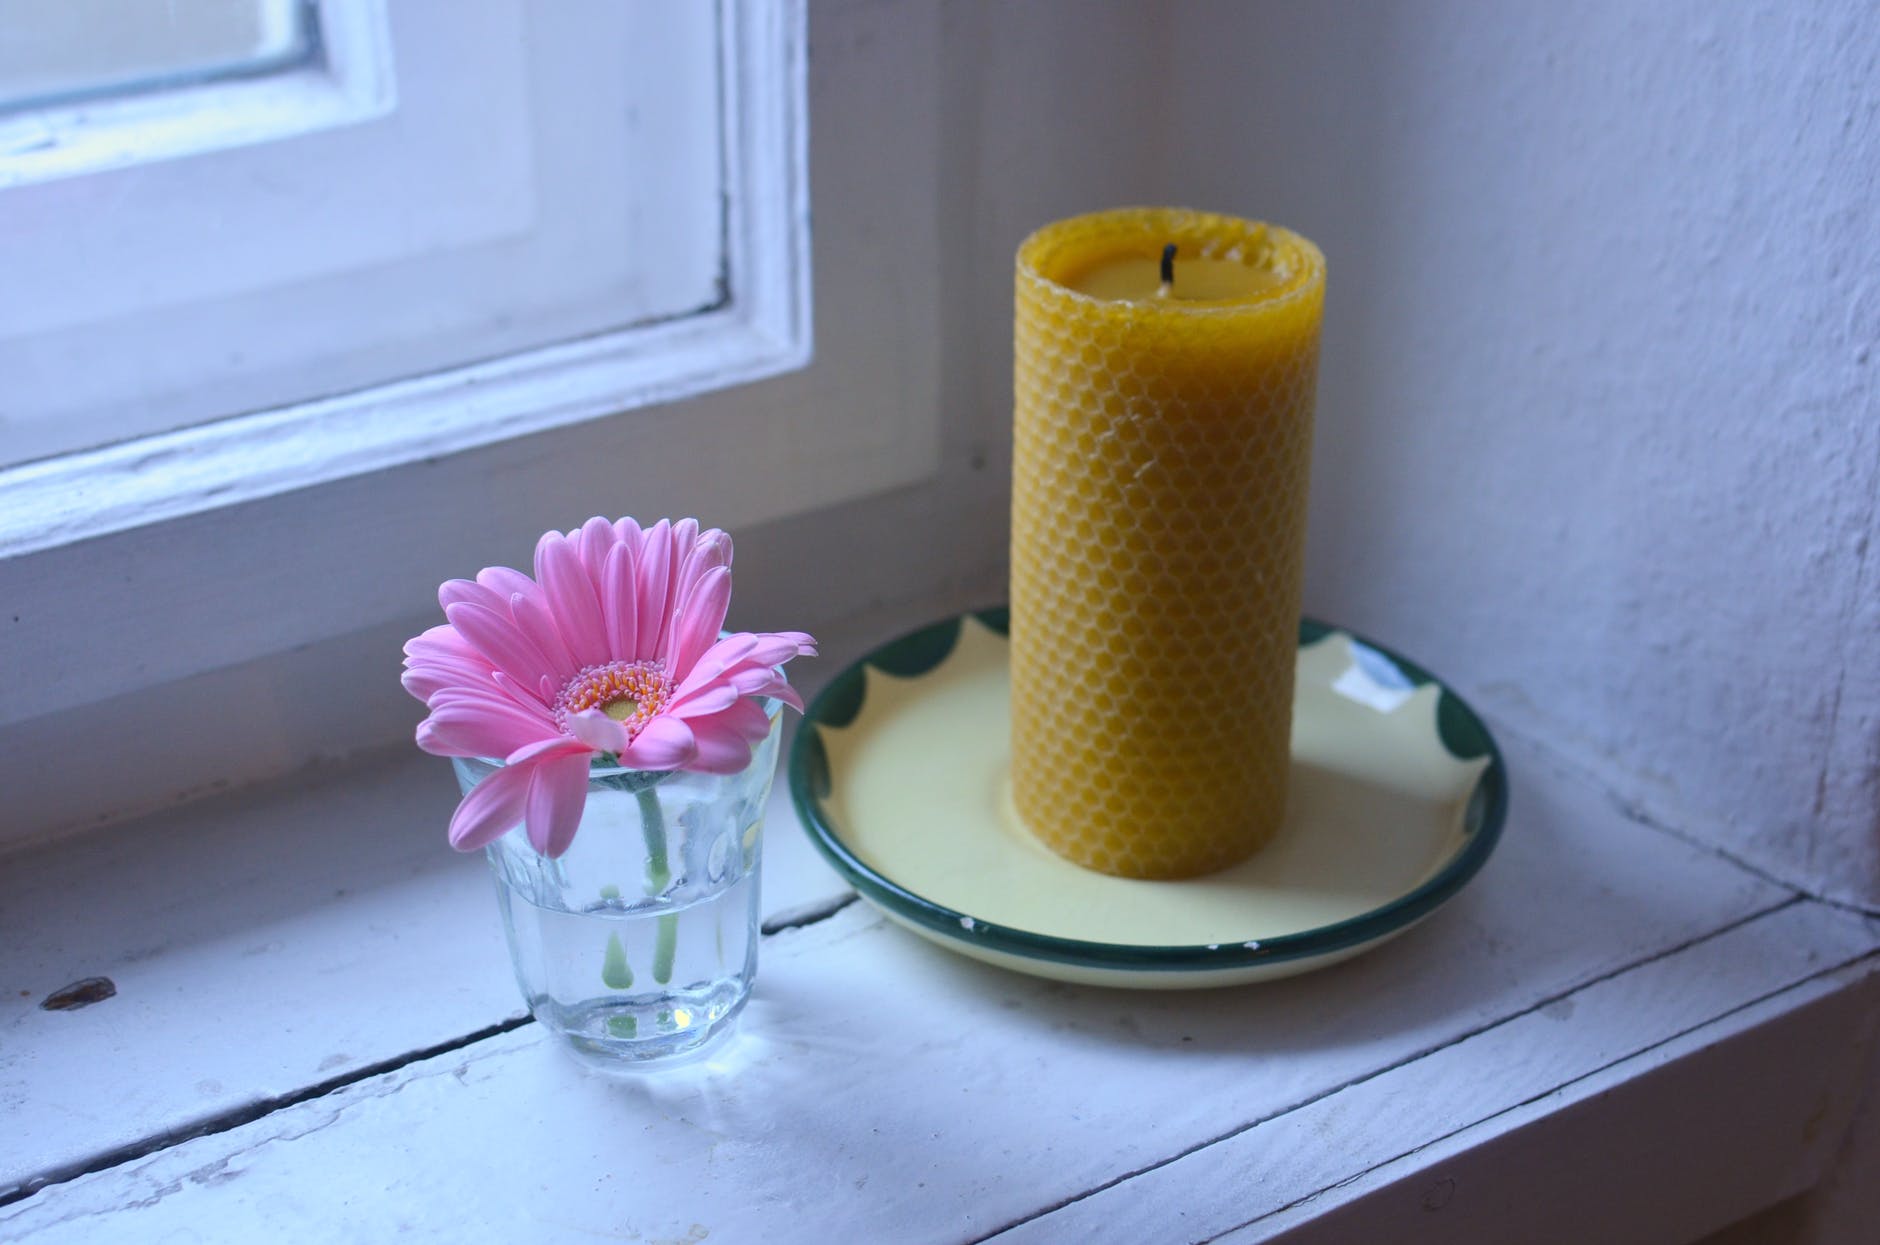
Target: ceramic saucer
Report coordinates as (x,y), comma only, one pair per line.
(900,774)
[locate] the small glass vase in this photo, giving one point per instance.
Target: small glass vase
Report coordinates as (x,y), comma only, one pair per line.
(639,944)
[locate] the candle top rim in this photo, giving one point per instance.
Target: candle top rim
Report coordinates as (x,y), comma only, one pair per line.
(1059,252)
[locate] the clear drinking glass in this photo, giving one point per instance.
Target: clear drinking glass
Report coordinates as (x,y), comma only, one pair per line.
(639,943)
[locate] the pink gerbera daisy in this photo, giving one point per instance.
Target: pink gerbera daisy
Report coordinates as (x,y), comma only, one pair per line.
(611,651)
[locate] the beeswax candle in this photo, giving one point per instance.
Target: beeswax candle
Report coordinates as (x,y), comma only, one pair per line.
(1162,438)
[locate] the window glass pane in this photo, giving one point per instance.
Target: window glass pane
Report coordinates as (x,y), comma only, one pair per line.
(477,221)
(55,51)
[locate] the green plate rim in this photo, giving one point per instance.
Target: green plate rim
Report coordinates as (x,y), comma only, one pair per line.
(912,653)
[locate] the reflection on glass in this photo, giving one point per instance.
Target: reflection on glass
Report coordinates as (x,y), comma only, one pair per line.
(60,51)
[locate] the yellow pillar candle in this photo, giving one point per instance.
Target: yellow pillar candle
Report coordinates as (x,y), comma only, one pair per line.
(1162,438)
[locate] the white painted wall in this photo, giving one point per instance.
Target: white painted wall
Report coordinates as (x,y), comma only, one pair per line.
(1598,435)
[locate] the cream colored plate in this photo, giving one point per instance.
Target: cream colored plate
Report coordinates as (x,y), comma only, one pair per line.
(900,773)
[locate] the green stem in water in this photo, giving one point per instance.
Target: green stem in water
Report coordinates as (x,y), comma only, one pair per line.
(653,826)
(616,973)
(658,877)
(665,945)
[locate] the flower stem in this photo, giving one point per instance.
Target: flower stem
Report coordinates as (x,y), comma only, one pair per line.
(658,877)
(664,947)
(616,973)
(653,826)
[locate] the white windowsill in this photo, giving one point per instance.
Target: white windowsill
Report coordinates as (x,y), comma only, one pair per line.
(310,978)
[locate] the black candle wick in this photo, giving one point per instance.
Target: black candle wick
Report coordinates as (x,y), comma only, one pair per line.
(1168,264)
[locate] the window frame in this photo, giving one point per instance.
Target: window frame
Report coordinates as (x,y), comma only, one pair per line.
(757,325)
(121,597)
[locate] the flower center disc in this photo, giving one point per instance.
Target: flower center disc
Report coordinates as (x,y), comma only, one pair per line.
(629,692)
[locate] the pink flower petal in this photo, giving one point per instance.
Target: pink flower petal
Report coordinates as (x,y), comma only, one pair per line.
(571,599)
(748,718)
(706,553)
(491,808)
(620,606)
(805,642)
(506,582)
(554,746)
(500,641)
(439,641)
(653,568)
(491,690)
(725,655)
(663,743)
(519,692)
(763,681)
(557,796)
(427,678)
(719,542)
(628,533)
(597,541)
(735,655)
(765,650)
(425,682)
(721,752)
(699,618)
(774,650)
(598,731)
(469,667)
(531,720)
(468,728)
(715,698)
(533,620)
(684,543)
(451,591)
(725,740)
(692,556)
(752,680)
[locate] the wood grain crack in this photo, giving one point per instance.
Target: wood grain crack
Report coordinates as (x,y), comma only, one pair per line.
(248,1113)
(806,914)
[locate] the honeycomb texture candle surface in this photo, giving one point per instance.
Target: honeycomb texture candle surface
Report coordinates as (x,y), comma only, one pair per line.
(1160,462)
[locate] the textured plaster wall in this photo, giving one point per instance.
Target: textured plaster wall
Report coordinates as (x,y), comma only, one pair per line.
(1599,436)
